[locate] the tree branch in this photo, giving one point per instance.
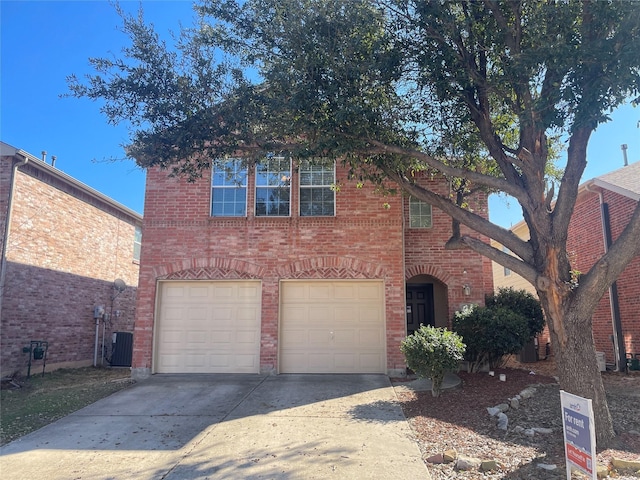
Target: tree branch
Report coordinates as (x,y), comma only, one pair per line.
(523,269)
(486,180)
(481,225)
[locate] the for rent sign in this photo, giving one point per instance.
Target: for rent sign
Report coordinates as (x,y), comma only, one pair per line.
(579,434)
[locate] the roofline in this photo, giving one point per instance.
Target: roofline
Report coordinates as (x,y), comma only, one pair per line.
(42,165)
(597,182)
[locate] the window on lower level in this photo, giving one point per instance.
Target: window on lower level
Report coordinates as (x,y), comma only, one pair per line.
(229,189)
(273,187)
(317,195)
(419,214)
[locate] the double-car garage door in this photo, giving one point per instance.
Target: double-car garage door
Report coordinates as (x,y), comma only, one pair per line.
(325,326)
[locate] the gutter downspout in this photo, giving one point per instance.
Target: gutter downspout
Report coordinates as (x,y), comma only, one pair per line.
(614,305)
(7,225)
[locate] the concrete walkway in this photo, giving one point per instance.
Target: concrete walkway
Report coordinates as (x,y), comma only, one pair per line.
(228,427)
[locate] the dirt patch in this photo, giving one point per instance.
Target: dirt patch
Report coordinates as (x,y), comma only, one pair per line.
(27,404)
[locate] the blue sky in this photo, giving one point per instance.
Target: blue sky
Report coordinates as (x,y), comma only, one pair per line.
(42,42)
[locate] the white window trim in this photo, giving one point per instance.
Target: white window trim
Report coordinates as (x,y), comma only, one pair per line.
(300,187)
(245,186)
(256,187)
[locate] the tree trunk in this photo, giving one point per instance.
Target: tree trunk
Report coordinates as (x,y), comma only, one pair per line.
(575,352)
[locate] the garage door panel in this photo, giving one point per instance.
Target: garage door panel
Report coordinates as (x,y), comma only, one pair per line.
(332,326)
(292,338)
(372,338)
(208,327)
(319,292)
(198,292)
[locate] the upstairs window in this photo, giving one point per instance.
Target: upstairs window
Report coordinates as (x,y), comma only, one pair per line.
(137,243)
(273,187)
(317,196)
(229,189)
(419,214)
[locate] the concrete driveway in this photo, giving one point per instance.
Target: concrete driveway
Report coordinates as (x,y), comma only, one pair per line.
(227,427)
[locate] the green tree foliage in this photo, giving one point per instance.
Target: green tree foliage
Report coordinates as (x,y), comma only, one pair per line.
(432,352)
(474,91)
(490,333)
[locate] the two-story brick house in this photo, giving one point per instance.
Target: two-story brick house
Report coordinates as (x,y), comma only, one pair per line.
(288,267)
(63,246)
(603,208)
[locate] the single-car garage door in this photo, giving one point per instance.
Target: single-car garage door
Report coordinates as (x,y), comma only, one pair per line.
(208,327)
(332,327)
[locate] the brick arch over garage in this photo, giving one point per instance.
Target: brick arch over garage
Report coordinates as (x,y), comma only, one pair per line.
(211,268)
(427,270)
(329,267)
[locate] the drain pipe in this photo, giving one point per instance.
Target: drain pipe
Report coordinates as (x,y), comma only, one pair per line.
(614,305)
(7,226)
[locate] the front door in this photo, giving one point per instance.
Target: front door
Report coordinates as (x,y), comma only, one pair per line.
(419,306)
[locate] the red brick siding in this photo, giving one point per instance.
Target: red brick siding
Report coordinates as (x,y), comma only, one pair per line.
(363,240)
(64,252)
(586,246)
(425,254)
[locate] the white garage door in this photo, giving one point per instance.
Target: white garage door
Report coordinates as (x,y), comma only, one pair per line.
(208,327)
(332,327)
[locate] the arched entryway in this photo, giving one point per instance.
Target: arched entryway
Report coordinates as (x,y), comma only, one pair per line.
(426,302)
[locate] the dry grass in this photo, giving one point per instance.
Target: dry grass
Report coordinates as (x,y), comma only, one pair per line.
(27,404)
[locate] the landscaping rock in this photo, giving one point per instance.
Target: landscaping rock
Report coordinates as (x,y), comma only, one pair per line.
(493,411)
(602,471)
(488,465)
(542,430)
(514,404)
(436,459)
(503,421)
(548,467)
(468,463)
(527,392)
(450,455)
(626,464)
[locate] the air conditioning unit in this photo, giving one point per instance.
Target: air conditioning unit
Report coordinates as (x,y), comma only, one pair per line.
(121,349)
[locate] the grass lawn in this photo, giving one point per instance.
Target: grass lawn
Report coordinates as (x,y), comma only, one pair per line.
(43,400)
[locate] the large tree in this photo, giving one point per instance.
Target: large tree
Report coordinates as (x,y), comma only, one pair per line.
(474,90)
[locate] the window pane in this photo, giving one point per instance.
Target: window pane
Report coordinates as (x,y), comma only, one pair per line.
(228,191)
(317,197)
(273,193)
(137,241)
(419,214)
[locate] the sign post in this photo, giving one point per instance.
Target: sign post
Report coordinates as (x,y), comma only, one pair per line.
(579,434)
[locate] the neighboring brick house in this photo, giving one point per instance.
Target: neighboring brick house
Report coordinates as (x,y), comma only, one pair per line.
(619,193)
(67,244)
(272,269)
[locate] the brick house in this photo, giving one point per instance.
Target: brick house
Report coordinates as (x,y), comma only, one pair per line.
(617,193)
(270,268)
(63,246)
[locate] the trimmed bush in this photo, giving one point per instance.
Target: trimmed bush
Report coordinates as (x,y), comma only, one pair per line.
(431,352)
(522,302)
(490,333)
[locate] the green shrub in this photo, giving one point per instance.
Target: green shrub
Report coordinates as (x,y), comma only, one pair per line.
(490,333)
(431,352)
(522,302)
